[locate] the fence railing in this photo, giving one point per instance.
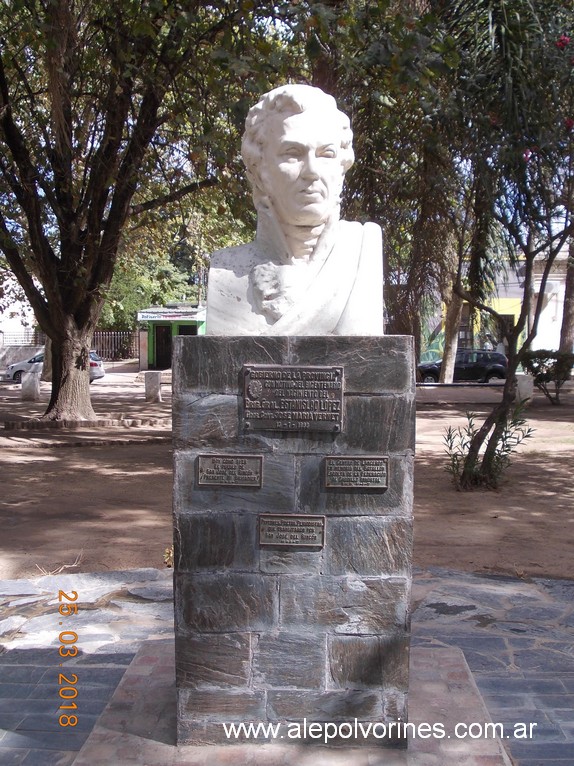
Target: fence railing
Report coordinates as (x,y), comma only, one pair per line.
(114,345)
(23,338)
(109,344)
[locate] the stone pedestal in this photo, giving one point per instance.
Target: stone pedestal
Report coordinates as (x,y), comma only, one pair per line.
(524,388)
(31,386)
(152,381)
(293,532)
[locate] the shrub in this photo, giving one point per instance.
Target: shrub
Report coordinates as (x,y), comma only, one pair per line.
(550,370)
(457,444)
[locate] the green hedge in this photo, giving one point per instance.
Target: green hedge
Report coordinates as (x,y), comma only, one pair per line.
(550,370)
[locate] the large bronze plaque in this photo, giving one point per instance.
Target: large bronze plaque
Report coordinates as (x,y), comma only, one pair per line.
(357,472)
(292,398)
(229,470)
(292,530)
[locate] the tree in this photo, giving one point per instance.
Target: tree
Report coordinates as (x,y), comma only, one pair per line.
(466,105)
(95,98)
(163,255)
(516,100)
(384,62)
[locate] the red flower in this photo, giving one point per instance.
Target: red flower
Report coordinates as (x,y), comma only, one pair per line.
(562,42)
(569,123)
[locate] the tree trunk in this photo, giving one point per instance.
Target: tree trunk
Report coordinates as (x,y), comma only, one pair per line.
(567,330)
(70,398)
(451,329)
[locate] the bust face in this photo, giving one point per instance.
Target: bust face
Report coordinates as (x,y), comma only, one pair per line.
(301,167)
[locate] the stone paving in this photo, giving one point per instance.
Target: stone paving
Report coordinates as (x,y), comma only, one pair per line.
(518,640)
(117,611)
(516,636)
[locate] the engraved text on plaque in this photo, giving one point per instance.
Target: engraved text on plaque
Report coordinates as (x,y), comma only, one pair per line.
(293,398)
(292,529)
(229,470)
(357,472)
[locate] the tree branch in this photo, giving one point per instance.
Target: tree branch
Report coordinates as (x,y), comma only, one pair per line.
(174,196)
(12,253)
(25,188)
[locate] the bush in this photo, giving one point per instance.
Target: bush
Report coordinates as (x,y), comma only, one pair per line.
(457,445)
(550,370)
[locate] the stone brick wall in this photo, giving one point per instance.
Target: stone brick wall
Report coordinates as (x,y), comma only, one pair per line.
(282,634)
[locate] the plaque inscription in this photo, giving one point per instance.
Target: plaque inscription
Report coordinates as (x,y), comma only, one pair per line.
(292,529)
(357,472)
(229,470)
(292,398)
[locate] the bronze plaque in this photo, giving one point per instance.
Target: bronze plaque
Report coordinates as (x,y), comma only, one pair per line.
(357,472)
(292,530)
(229,470)
(285,398)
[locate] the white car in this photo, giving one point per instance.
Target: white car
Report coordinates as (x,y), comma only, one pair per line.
(35,364)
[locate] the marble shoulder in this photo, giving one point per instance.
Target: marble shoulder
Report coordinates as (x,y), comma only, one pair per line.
(232,257)
(369,227)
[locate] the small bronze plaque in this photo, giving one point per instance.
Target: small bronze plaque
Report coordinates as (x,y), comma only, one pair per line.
(292,530)
(357,472)
(292,398)
(229,470)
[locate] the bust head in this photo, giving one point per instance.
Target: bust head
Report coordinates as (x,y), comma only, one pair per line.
(297,147)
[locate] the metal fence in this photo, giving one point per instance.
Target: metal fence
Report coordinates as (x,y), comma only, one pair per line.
(109,344)
(114,345)
(26,337)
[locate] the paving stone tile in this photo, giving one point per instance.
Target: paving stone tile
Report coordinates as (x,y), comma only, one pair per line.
(511,686)
(557,662)
(122,658)
(541,752)
(89,691)
(43,740)
(47,723)
(19,588)
(10,756)
(9,721)
(45,758)
(538,688)
(16,691)
(11,624)
(20,673)
(567,682)
(545,762)
(555,702)
(26,706)
(510,702)
(36,656)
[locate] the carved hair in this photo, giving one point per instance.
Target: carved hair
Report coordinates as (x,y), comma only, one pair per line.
(286,101)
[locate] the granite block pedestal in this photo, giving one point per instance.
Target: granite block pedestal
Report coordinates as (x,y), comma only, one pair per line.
(293,533)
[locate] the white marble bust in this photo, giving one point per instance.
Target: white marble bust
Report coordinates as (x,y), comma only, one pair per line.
(307,272)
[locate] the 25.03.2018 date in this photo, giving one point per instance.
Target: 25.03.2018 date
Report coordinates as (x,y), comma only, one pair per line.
(67,638)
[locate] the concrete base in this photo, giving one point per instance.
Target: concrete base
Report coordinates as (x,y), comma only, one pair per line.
(152,381)
(138,727)
(30,386)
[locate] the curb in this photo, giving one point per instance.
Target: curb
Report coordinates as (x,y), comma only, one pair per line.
(41,425)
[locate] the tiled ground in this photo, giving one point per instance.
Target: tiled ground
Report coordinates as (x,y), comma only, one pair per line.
(517,638)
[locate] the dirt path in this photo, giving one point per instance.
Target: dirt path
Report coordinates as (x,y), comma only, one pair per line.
(111,505)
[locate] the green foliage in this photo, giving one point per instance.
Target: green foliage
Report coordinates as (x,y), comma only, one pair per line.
(164,258)
(109,111)
(458,442)
(550,370)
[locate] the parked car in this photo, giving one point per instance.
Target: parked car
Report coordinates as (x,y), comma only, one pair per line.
(35,364)
(475,365)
